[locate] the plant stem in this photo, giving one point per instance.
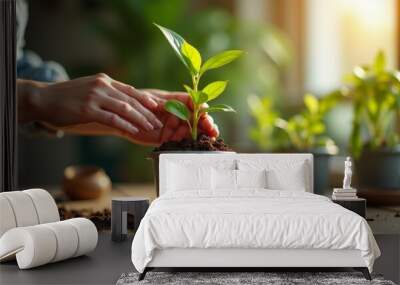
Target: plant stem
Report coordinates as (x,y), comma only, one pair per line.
(195,80)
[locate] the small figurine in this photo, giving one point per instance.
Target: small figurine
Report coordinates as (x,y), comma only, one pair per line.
(347,174)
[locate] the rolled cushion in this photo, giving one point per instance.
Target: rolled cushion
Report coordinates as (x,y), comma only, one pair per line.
(66,238)
(33,246)
(41,244)
(7,218)
(23,208)
(45,205)
(87,235)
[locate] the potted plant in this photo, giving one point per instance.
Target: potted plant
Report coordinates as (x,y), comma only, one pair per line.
(302,132)
(199,95)
(374,142)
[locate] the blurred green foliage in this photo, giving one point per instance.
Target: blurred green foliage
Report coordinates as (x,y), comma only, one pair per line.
(305,131)
(374,93)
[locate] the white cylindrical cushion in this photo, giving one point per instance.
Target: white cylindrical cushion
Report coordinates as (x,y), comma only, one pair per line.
(45,205)
(41,244)
(23,208)
(33,246)
(7,218)
(67,240)
(87,235)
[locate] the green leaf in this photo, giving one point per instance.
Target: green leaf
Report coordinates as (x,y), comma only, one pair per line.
(176,42)
(220,59)
(189,91)
(311,103)
(192,57)
(178,109)
(317,128)
(329,101)
(187,88)
(219,108)
(214,89)
(199,97)
(379,62)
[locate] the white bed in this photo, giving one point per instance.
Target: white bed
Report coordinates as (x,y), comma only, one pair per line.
(232,226)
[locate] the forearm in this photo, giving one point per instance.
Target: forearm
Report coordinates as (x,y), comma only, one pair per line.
(29,100)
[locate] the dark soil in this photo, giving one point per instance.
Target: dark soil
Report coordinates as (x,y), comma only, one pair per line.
(101,219)
(203,143)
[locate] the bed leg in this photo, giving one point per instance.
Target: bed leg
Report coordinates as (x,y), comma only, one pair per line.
(364,271)
(143,274)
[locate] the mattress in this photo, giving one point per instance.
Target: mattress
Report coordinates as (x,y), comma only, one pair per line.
(250,219)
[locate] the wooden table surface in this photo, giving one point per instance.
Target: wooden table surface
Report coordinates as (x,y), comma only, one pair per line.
(119,190)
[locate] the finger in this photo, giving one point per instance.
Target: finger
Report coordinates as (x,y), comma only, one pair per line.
(143,97)
(172,122)
(206,122)
(166,135)
(171,125)
(151,117)
(113,120)
(162,96)
(215,131)
(154,121)
(181,133)
(126,111)
(208,126)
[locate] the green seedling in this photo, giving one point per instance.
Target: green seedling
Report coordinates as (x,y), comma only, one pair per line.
(192,60)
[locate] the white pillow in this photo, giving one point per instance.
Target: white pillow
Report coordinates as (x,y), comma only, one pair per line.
(292,179)
(224,179)
(282,174)
(251,178)
(184,177)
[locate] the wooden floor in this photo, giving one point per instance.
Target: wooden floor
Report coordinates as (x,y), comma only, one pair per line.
(119,190)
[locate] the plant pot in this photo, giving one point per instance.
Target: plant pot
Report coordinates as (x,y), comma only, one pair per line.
(155,157)
(321,171)
(379,169)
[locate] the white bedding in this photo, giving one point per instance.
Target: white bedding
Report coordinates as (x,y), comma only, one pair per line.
(250,218)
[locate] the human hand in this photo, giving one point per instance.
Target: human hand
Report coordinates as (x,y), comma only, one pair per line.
(174,129)
(99,105)
(94,99)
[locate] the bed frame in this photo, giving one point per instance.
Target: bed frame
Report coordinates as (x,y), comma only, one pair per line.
(246,259)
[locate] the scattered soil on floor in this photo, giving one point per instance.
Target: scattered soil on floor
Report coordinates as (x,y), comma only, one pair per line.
(203,143)
(101,219)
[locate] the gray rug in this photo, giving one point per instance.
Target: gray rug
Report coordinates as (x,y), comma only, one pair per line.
(242,278)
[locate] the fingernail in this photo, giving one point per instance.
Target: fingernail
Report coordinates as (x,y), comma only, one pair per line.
(158,123)
(149,126)
(153,102)
(134,130)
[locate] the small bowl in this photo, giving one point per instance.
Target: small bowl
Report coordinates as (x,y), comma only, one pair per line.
(85,182)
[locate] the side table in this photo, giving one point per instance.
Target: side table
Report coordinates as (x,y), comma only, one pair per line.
(358,206)
(120,207)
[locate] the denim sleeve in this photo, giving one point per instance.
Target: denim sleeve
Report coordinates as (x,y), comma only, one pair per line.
(30,65)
